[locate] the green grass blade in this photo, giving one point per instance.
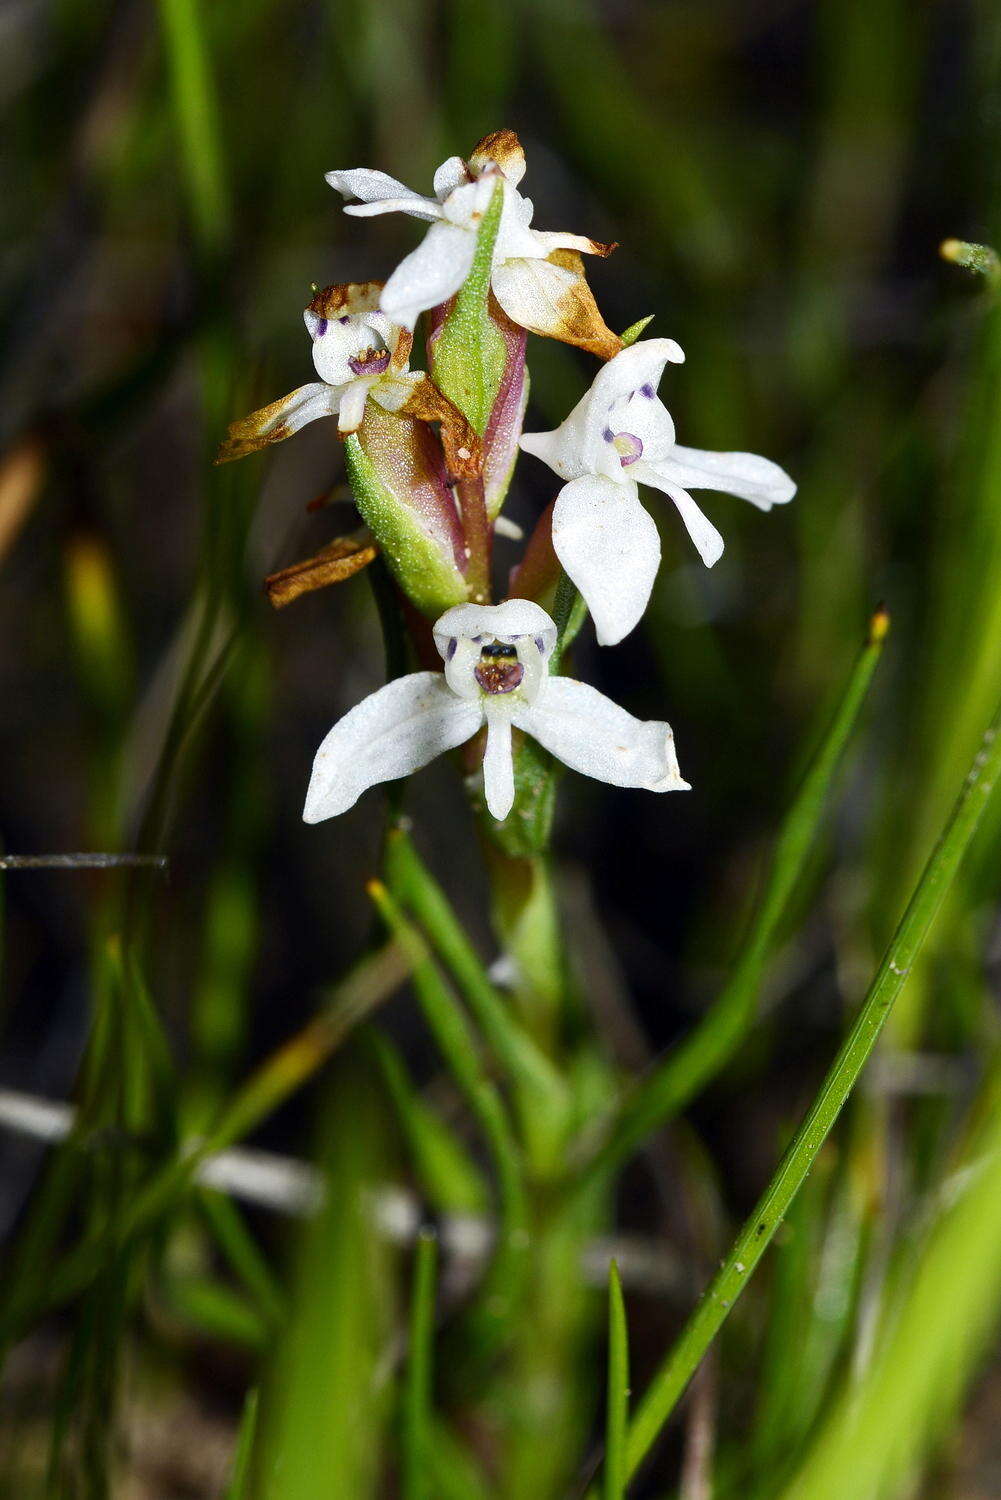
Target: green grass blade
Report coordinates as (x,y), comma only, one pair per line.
(448,1177)
(195,107)
(458,1046)
(614,1487)
(415,887)
(239,1484)
(681,1363)
(417,1390)
(686,1070)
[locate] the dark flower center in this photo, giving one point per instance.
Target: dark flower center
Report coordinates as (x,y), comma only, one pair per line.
(498,669)
(369,362)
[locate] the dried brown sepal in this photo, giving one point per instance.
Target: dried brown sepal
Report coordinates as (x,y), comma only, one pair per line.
(578,320)
(502,147)
(463,448)
(334,563)
(346,299)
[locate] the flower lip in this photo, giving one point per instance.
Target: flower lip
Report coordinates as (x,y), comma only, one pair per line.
(499,669)
(627,445)
(369,361)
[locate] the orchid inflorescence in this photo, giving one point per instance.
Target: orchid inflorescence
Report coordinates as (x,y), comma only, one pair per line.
(430,457)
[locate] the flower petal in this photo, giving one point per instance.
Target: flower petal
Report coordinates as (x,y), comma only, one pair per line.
(745,474)
(352,408)
(593,735)
(495,622)
(498,761)
(578,445)
(389,734)
(382,192)
(274,423)
(450,175)
(556,239)
(430,274)
(701,530)
(610,548)
(551,297)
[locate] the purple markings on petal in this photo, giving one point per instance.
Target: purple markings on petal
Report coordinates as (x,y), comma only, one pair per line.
(629,448)
(346,318)
(608,435)
(498,669)
(369,363)
(647,391)
(450,652)
(322,324)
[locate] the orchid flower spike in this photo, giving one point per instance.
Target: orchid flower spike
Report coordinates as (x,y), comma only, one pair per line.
(537,274)
(360,355)
(617,436)
(496,673)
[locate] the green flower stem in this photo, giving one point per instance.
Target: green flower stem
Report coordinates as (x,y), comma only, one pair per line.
(664,1092)
(681,1363)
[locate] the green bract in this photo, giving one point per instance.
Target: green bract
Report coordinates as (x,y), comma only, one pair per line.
(469,355)
(418,561)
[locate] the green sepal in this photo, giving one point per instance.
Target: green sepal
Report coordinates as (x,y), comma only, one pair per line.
(418,562)
(634,330)
(469,354)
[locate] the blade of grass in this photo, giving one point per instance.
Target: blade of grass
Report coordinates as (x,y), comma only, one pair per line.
(414,886)
(614,1487)
(665,1091)
(677,1369)
(447,1176)
(239,1484)
(196,109)
(417,1390)
(458,1046)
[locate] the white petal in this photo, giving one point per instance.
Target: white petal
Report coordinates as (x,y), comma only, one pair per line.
(515,240)
(578,446)
(593,735)
(353,405)
(430,274)
(556,239)
(338,344)
(450,175)
(495,622)
(745,474)
(701,530)
(382,191)
(279,420)
(417,208)
(466,204)
(609,547)
(395,731)
(498,761)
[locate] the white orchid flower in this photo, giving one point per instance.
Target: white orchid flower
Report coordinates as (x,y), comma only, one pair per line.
(617,437)
(360,355)
(537,275)
(496,673)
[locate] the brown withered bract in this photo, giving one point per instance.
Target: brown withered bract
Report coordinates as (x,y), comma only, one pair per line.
(334,563)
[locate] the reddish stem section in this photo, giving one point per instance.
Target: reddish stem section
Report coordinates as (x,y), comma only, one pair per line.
(479,535)
(539,569)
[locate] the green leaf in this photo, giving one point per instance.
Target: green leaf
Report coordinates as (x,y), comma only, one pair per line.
(239,1484)
(618,1390)
(417,1389)
(469,355)
(727,1285)
(420,562)
(634,330)
(447,1177)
